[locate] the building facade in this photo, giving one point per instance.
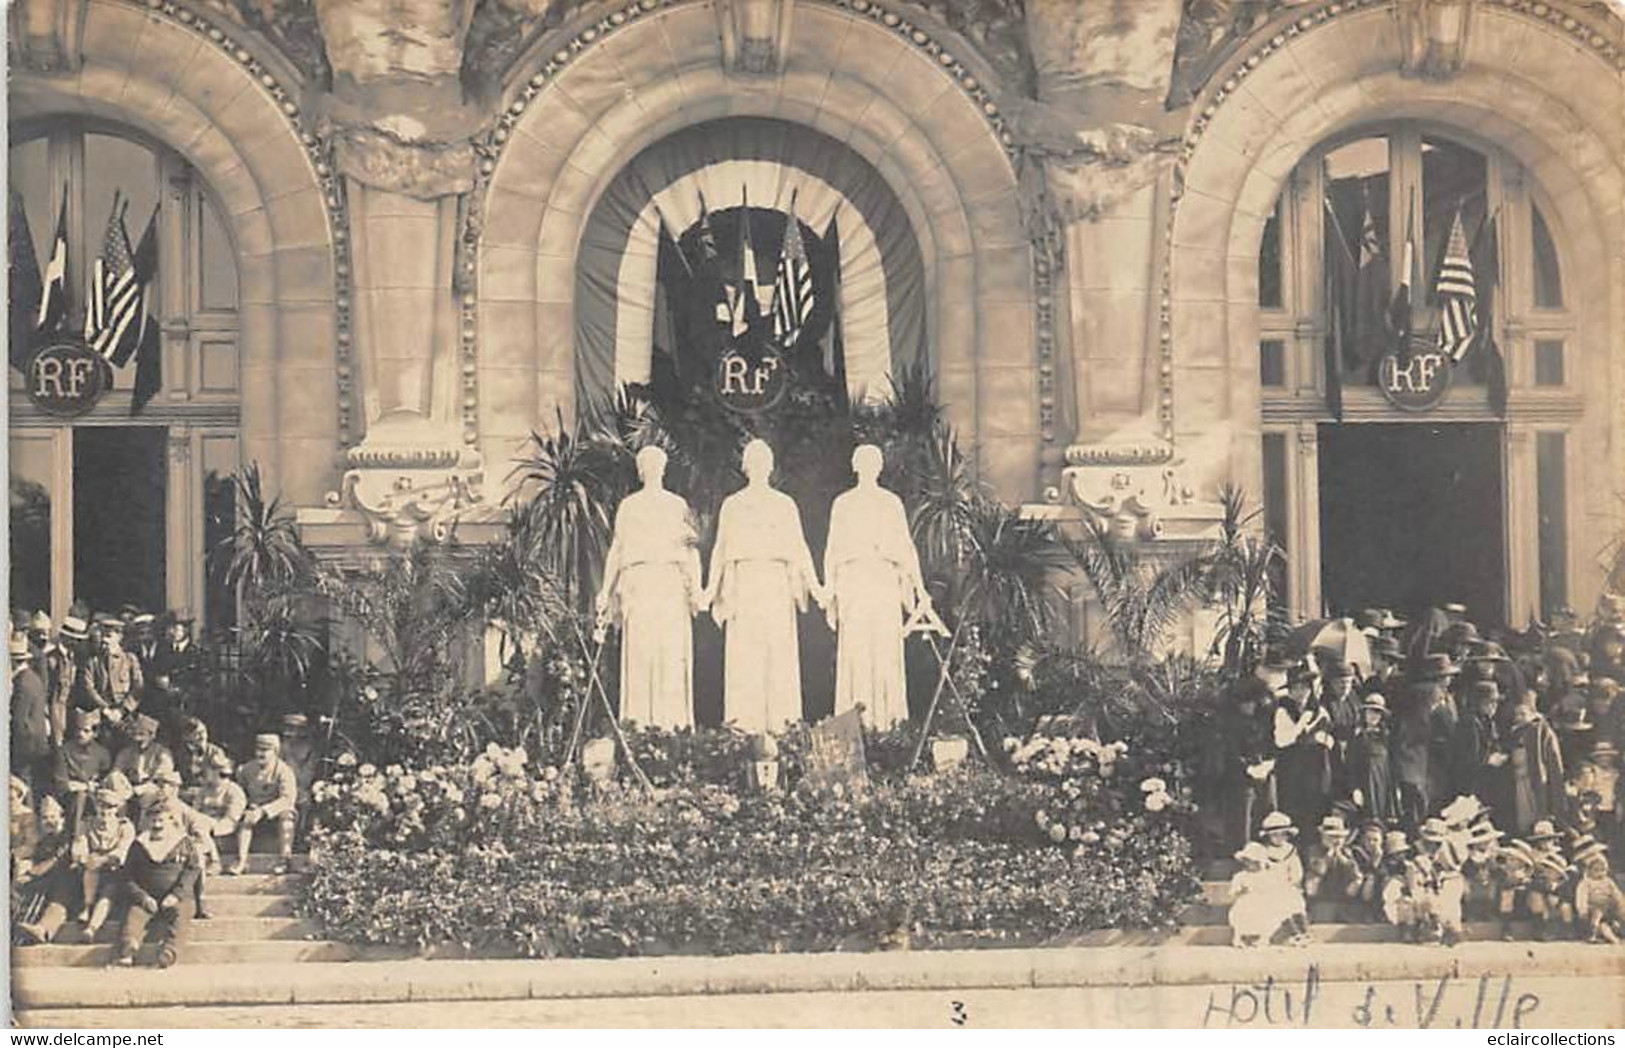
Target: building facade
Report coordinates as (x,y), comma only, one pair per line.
(1142,247)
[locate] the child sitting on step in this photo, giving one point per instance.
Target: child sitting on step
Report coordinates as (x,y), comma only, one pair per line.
(1442,886)
(1403,885)
(1367,855)
(1260,899)
(1599,905)
(1549,898)
(1277,833)
(98,853)
(1331,872)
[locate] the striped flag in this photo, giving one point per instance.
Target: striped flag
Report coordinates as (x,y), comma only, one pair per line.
(742,291)
(24,284)
(115,295)
(793,285)
(53,300)
(1457,292)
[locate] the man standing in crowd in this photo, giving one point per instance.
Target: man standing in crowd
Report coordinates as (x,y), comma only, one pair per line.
(115,683)
(30,717)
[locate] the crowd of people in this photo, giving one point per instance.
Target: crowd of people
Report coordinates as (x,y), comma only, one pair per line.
(1430,774)
(121,805)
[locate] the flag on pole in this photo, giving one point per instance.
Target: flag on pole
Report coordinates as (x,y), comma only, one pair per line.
(53,297)
(145,342)
(1366,336)
(110,323)
(742,293)
(710,267)
(24,286)
(675,284)
(1457,292)
(834,346)
(793,285)
(1399,309)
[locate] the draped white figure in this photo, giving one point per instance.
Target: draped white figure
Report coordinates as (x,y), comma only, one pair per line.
(761,576)
(872,572)
(652,589)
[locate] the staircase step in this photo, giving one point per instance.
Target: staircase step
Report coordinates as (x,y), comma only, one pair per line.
(216,929)
(254,884)
(259,904)
(197,953)
(1472,931)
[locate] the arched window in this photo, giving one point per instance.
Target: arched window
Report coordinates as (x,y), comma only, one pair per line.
(1333,295)
(155,471)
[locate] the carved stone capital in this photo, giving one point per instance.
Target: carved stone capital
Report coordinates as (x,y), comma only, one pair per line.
(755,36)
(1133,488)
(1088,167)
(410,481)
(46,36)
(1433,37)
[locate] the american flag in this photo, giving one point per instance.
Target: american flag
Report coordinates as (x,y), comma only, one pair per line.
(1457,292)
(115,295)
(793,286)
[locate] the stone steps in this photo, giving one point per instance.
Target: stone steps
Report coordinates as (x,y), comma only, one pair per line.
(197,953)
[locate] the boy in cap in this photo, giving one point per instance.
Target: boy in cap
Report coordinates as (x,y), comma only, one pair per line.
(273,794)
(1549,898)
(1598,903)
(81,762)
(1367,855)
(1403,885)
(143,757)
(1514,872)
(1331,872)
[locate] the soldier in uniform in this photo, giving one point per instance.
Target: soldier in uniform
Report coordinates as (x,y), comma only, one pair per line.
(144,758)
(81,762)
(56,668)
(273,794)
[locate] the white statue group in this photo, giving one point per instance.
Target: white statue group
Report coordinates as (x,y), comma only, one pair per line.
(761,576)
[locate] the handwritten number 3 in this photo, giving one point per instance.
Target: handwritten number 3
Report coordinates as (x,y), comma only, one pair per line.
(960,1015)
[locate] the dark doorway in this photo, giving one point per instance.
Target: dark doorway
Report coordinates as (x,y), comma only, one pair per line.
(1411,516)
(118,516)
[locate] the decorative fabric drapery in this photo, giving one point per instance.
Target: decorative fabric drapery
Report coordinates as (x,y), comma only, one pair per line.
(881,307)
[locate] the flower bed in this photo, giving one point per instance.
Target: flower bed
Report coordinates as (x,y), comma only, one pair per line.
(498,858)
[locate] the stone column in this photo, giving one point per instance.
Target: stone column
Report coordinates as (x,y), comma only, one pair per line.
(1303,554)
(402,135)
(1106,142)
(1522,512)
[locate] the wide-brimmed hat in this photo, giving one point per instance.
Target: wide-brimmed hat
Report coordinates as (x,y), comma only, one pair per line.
(109,623)
(1519,851)
(1277,820)
(1488,651)
(1543,830)
(1435,830)
(143,620)
(1436,666)
(1372,822)
(295,722)
(1454,608)
(1462,632)
(75,628)
(39,622)
(1394,843)
(1484,833)
(18,646)
(1253,851)
(1375,701)
(178,615)
(1334,826)
(1463,810)
(1387,647)
(1553,863)
(1604,748)
(1573,718)
(1389,621)
(1594,850)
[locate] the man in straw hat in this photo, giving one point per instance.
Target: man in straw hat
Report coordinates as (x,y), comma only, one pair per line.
(1331,872)
(272,790)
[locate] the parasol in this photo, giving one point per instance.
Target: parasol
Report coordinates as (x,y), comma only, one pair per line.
(1339,640)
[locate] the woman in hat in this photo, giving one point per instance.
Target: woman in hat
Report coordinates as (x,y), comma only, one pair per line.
(1303,743)
(1534,768)
(1371,774)
(160,873)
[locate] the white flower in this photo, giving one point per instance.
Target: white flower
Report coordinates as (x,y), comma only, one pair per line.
(1153,786)
(1156,802)
(490,800)
(367,771)
(346,760)
(408,784)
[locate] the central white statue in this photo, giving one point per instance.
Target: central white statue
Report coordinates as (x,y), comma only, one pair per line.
(873,574)
(652,588)
(761,576)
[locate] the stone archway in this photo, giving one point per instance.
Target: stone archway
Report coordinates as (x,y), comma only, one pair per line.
(850,78)
(1332,73)
(232,120)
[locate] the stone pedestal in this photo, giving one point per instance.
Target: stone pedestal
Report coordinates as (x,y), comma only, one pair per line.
(1134,489)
